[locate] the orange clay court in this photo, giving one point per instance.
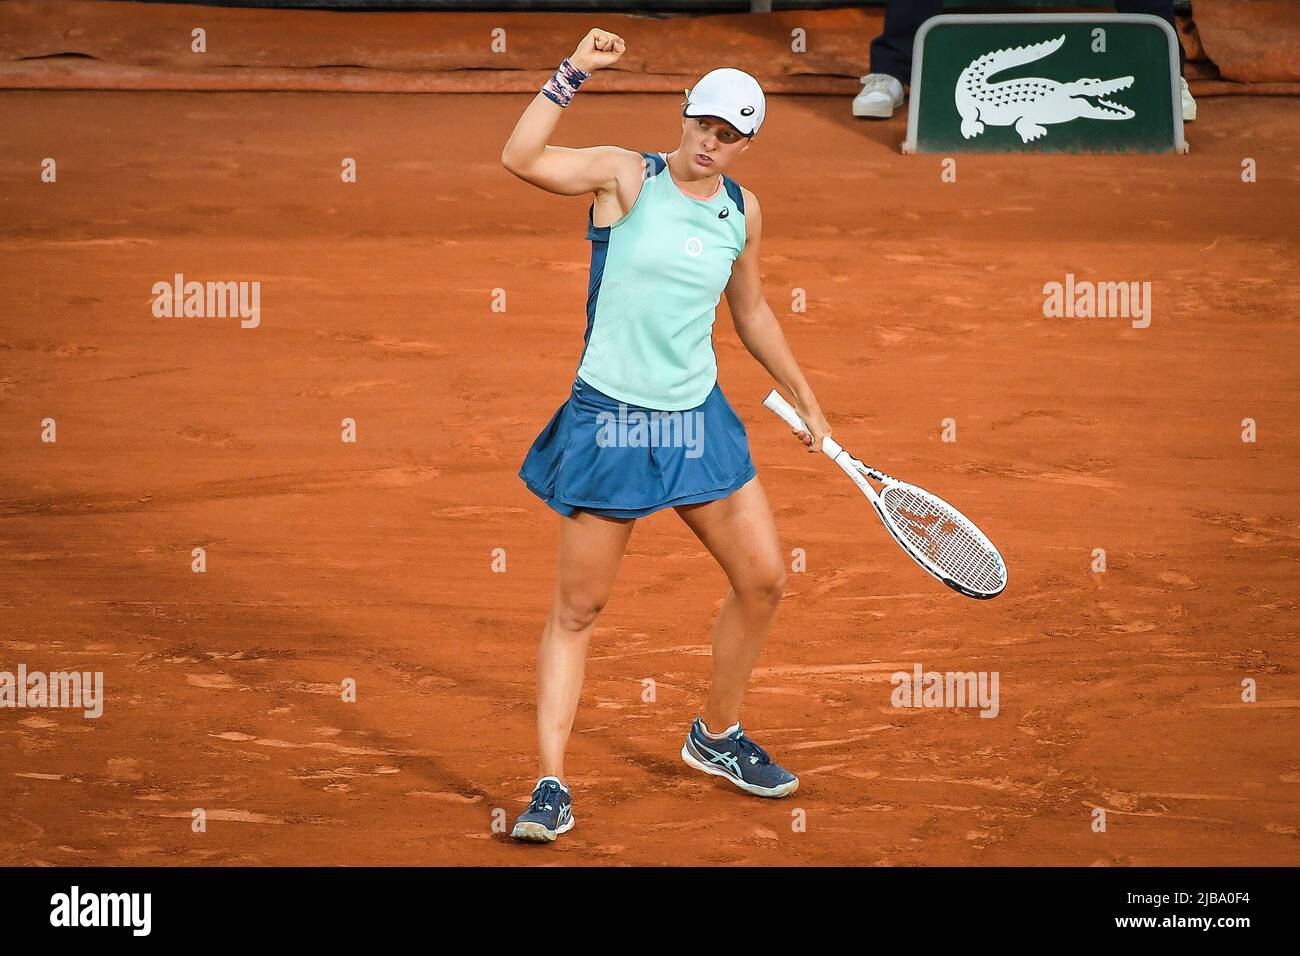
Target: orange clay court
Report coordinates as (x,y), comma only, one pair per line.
(374,560)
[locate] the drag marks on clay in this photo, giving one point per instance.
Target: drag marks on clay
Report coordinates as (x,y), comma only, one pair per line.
(666,582)
(338,766)
(262,486)
(850,577)
(688,650)
(799,471)
(38,723)
(146,373)
(476,511)
(1047,729)
(404,348)
(443,796)
(1081,480)
(91,243)
(427,677)
(867,734)
(337,780)
(1286,704)
(605,851)
(42,556)
(779,691)
(814,771)
(213,682)
(1252,660)
(1134,627)
(903,335)
(1006,785)
(545,265)
(1191,796)
(1052,416)
(873,673)
(48,347)
(217,437)
(325,745)
(1249,529)
(227,816)
(1161,812)
(352,388)
(652,762)
(492,440)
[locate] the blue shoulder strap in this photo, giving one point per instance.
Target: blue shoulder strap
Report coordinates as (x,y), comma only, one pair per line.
(656,164)
(733,190)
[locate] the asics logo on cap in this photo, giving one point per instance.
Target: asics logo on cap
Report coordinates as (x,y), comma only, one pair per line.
(747,111)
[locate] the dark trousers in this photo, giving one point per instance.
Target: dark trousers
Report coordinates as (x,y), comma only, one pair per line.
(891,52)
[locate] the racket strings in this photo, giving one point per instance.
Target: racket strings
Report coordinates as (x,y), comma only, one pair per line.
(945,538)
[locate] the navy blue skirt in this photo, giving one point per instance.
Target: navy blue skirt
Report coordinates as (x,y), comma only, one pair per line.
(618,460)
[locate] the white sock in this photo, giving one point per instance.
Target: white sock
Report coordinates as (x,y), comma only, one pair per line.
(722,736)
(556,779)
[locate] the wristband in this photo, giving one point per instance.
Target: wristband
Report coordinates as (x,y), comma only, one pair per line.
(561,88)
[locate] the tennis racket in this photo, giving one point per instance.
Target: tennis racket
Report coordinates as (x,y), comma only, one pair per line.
(936,535)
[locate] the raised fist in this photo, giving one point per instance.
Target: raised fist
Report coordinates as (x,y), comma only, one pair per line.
(599,48)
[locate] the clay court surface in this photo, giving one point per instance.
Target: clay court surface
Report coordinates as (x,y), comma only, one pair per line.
(373,561)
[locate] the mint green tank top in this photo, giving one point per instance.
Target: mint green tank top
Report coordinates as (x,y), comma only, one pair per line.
(656,278)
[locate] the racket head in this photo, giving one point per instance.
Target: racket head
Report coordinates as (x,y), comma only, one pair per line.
(942,540)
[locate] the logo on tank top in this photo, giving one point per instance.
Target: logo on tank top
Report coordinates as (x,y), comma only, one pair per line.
(694,246)
(726,210)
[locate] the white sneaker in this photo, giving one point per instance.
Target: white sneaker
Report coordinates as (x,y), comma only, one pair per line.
(881,95)
(1189,104)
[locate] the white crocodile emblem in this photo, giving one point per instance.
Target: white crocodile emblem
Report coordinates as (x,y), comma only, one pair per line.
(1030,103)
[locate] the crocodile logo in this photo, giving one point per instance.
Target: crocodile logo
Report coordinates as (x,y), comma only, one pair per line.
(1030,103)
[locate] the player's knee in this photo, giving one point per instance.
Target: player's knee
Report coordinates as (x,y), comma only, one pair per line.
(577,612)
(764,587)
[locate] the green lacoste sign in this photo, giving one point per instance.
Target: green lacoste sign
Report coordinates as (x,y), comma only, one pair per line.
(1058,83)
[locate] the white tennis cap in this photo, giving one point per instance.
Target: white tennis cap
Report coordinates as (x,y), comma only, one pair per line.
(732,95)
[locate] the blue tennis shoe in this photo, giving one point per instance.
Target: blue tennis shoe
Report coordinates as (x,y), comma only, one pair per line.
(738,759)
(549,813)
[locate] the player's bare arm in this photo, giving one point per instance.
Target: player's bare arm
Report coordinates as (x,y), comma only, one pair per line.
(762,334)
(612,173)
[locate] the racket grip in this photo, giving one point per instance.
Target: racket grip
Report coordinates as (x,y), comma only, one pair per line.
(785,411)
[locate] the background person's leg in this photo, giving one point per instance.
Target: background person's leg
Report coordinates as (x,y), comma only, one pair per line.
(891,52)
(891,58)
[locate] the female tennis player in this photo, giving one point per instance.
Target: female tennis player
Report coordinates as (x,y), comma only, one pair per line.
(646,426)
